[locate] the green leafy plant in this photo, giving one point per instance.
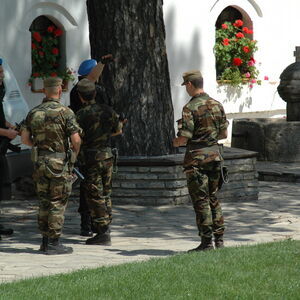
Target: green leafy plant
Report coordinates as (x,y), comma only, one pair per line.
(234,52)
(46,55)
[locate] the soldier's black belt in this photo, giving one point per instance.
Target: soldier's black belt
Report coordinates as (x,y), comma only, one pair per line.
(104,149)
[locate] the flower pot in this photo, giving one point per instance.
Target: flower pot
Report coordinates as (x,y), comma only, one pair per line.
(244,81)
(65,86)
(37,85)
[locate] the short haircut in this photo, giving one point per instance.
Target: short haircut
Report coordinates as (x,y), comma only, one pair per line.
(52,89)
(197,83)
(87,96)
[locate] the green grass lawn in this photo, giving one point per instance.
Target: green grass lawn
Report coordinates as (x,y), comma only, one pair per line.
(264,271)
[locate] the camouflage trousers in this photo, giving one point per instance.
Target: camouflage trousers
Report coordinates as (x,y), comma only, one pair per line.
(203,184)
(97,187)
(53,186)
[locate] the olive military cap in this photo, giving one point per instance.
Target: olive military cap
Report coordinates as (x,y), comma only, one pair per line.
(52,82)
(86,86)
(191,75)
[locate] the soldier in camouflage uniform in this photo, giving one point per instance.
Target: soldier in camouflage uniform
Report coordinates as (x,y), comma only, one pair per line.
(53,132)
(99,122)
(91,70)
(203,124)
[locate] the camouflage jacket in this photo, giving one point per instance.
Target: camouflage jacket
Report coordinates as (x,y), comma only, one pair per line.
(203,118)
(99,122)
(50,125)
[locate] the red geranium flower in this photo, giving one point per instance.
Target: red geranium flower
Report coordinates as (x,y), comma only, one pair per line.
(50,28)
(237,61)
(246,49)
(55,51)
(226,42)
(239,35)
(58,32)
(37,36)
(33,46)
(251,62)
(238,23)
(36,74)
(41,53)
(246,29)
(53,74)
(224,26)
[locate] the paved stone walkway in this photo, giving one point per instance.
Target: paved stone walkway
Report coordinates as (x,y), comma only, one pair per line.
(139,233)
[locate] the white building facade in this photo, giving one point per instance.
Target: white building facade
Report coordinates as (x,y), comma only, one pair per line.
(190,39)
(16,18)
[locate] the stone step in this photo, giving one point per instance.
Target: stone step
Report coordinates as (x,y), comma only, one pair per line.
(280,172)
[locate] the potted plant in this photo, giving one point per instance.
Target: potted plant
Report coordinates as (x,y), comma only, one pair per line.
(67,75)
(234,51)
(46,58)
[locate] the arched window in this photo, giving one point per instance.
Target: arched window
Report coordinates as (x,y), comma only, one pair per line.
(48,50)
(229,14)
(235,47)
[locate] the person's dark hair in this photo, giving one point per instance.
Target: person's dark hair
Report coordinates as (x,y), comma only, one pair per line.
(88,96)
(197,83)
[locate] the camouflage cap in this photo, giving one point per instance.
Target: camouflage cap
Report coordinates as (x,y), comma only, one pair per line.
(86,86)
(52,82)
(191,75)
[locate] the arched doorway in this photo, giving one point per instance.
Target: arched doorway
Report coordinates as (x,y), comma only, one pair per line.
(48,51)
(234,46)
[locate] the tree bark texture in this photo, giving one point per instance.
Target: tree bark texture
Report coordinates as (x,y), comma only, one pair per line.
(138,82)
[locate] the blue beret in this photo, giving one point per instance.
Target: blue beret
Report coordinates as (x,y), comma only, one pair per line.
(86,67)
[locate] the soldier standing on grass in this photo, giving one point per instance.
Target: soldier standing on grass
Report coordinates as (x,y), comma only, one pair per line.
(203,124)
(99,122)
(6,130)
(53,133)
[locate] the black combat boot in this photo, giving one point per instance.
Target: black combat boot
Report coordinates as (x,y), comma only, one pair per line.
(55,247)
(6,231)
(219,242)
(44,244)
(101,238)
(206,244)
(85,226)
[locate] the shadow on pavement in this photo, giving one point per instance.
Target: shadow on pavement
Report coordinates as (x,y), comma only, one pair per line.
(150,252)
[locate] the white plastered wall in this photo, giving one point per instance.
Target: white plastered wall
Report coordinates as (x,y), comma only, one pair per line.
(16,18)
(190,38)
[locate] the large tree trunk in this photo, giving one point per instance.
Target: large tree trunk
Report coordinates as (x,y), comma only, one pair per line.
(138,81)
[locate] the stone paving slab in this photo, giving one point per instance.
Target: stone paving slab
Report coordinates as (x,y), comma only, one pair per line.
(140,233)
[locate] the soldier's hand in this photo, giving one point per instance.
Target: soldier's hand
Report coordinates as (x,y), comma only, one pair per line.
(11,133)
(179,141)
(106,59)
(176,142)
